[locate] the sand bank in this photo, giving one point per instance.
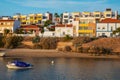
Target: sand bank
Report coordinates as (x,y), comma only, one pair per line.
(52,53)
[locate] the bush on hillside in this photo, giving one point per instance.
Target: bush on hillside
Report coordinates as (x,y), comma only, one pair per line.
(12,41)
(67,48)
(36,39)
(81,40)
(1,42)
(48,43)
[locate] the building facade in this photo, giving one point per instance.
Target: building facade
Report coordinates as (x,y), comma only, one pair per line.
(61,30)
(106,27)
(11,25)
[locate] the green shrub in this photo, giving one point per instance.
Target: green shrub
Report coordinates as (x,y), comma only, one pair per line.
(48,43)
(12,41)
(67,38)
(1,42)
(36,39)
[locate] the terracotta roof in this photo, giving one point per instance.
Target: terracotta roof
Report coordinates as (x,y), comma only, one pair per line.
(109,20)
(63,25)
(29,26)
(6,20)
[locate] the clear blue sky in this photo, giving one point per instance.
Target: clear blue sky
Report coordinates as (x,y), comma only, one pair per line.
(10,7)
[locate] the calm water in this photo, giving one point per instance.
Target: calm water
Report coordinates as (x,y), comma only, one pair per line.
(62,69)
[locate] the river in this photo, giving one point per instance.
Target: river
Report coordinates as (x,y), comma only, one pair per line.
(62,69)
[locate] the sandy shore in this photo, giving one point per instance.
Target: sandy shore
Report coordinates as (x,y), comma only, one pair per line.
(52,53)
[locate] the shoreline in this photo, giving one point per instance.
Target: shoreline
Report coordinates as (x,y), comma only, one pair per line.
(53,54)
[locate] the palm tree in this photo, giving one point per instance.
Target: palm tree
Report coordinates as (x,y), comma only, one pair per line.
(47,23)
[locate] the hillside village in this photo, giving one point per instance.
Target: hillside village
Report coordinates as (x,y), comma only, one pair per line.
(74,24)
(68,31)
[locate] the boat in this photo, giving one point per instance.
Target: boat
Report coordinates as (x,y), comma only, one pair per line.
(19,65)
(2,54)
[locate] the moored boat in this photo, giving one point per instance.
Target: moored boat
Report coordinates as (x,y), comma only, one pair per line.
(19,65)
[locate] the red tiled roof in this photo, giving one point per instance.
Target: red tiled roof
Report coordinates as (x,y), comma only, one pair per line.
(63,25)
(109,20)
(29,26)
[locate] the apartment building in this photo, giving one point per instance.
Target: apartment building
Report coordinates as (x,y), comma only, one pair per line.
(5,17)
(76,16)
(65,18)
(47,16)
(29,19)
(11,25)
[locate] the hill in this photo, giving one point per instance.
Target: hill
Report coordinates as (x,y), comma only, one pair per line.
(112,43)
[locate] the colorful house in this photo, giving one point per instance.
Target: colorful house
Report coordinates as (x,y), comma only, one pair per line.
(30,29)
(87,29)
(11,25)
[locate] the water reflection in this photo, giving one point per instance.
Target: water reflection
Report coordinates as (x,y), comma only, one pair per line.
(63,69)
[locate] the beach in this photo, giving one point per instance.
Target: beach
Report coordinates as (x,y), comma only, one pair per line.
(53,53)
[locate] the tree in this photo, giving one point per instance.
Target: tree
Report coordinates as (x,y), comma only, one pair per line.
(47,23)
(56,15)
(6,31)
(117,31)
(19,31)
(118,16)
(42,31)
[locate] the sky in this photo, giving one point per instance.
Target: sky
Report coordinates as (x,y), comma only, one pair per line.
(11,7)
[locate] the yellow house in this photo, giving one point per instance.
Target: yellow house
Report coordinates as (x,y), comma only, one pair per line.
(87,29)
(23,19)
(34,19)
(11,25)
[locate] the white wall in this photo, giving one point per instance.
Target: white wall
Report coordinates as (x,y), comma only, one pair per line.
(60,30)
(48,34)
(108,28)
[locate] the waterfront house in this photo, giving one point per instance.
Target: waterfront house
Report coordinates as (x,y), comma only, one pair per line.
(61,30)
(10,25)
(30,30)
(106,27)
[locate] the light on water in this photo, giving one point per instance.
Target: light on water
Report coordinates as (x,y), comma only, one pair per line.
(62,69)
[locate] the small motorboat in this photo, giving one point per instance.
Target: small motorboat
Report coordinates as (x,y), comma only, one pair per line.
(19,65)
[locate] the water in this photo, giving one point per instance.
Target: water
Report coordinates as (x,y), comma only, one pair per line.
(62,69)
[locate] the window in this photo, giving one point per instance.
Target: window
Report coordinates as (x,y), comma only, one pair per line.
(65,16)
(103,28)
(80,28)
(98,27)
(108,15)
(97,15)
(1,23)
(111,28)
(53,34)
(111,35)
(63,33)
(66,21)
(85,28)
(103,34)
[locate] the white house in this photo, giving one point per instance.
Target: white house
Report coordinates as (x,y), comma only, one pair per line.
(106,27)
(47,33)
(62,30)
